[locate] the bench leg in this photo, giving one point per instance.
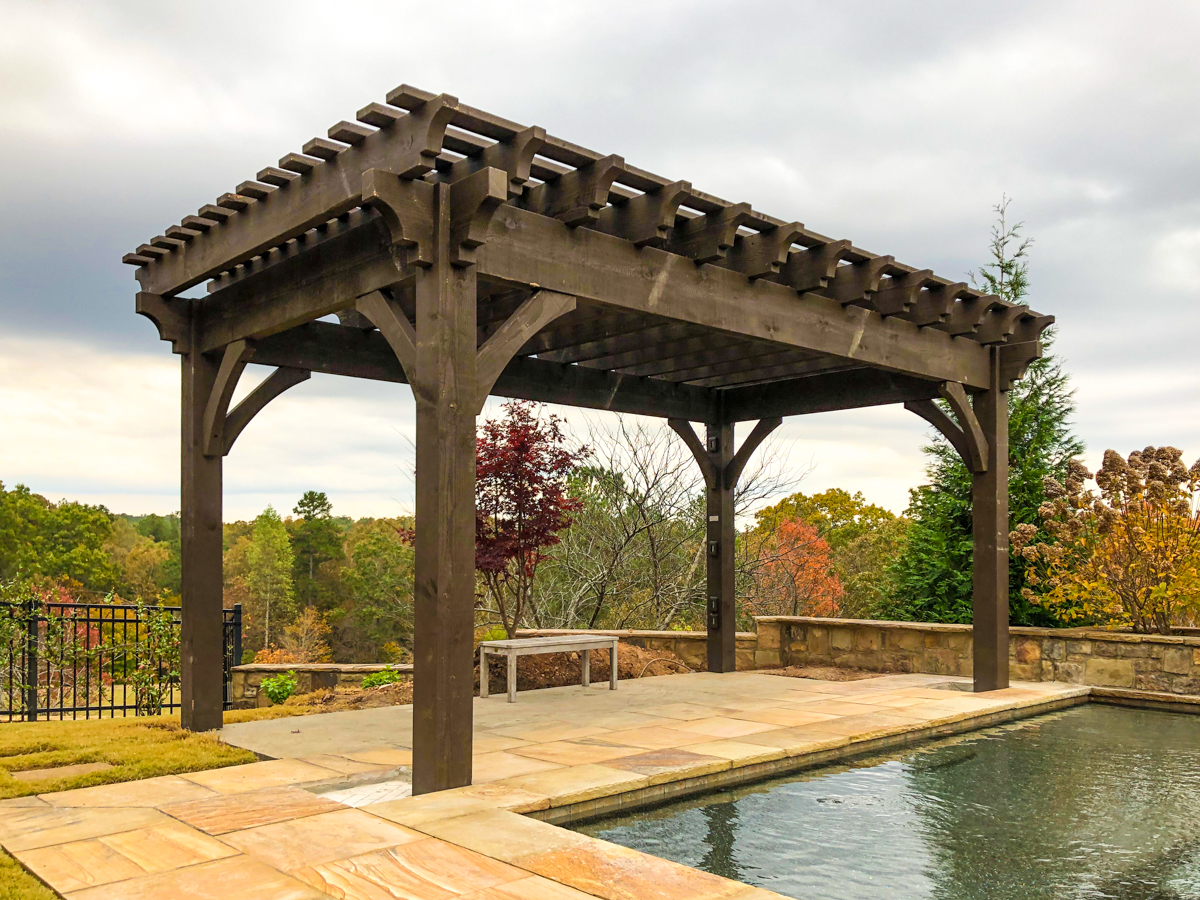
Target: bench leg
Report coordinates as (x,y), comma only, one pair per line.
(587,667)
(512,678)
(612,667)
(483,674)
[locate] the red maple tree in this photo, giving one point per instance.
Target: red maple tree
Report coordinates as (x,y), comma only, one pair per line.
(522,466)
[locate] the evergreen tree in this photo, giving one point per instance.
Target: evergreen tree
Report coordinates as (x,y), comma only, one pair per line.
(316,538)
(933,574)
(269,571)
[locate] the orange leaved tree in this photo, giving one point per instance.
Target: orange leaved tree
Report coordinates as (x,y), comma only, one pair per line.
(1128,554)
(795,575)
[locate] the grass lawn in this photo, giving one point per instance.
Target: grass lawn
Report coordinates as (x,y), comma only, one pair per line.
(135,747)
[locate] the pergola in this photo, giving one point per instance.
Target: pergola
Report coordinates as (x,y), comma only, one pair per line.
(467,255)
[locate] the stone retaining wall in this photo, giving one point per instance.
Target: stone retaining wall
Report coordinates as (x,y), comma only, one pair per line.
(248,679)
(1142,662)
(689,646)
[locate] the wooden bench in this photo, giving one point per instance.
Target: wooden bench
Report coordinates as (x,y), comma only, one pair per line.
(585,643)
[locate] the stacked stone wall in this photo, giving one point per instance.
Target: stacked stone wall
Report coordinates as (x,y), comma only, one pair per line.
(1169,664)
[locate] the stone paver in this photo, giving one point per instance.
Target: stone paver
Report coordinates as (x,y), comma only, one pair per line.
(332,816)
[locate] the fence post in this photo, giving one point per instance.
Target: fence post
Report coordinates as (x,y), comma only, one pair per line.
(237,634)
(30,680)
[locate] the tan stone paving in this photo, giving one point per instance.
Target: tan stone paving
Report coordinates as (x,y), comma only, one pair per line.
(263,830)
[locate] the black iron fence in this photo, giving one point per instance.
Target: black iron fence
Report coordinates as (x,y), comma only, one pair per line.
(95,660)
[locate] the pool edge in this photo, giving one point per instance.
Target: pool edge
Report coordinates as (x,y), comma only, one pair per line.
(653,795)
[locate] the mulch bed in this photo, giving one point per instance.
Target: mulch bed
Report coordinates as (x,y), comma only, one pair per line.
(824,673)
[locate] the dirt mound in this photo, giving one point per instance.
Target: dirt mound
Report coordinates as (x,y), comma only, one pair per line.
(338,699)
(560,669)
(824,673)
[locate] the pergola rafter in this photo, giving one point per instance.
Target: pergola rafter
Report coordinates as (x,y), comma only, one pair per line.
(465,254)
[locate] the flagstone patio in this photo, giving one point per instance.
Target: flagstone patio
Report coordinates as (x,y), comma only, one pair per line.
(288,828)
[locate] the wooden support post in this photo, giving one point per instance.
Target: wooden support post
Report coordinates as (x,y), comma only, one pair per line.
(722,468)
(443,383)
(721,612)
(979,432)
(989,500)
(202,631)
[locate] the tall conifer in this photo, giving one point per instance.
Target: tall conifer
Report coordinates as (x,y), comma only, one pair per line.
(932,578)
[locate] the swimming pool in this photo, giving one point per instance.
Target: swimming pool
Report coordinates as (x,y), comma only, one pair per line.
(1090,802)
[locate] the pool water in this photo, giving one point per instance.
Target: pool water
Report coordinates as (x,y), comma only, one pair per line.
(1091,802)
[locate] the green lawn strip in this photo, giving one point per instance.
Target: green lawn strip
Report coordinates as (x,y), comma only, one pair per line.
(135,747)
(17,884)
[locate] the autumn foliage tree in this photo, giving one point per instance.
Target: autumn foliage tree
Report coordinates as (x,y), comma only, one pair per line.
(522,469)
(795,575)
(1127,555)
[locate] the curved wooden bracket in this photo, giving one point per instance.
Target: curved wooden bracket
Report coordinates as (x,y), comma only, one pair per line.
(934,304)
(578,196)
(170,317)
(426,122)
(966,435)
(1000,323)
(514,156)
(393,324)
(273,385)
(1015,358)
(764,253)
(812,269)
(898,294)
(708,238)
(709,467)
(526,321)
(856,282)
(646,220)
(233,363)
(473,201)
(758,434)
(407,208)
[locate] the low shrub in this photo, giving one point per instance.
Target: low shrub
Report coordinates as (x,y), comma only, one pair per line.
(279,688)
(388,676)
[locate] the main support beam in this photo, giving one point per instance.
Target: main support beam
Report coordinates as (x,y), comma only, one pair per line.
(989,504)
(341,350)
(523,248)
(721,468)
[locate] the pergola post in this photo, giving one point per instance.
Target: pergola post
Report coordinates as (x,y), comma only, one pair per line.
(989,504)
(979,432)
(721,468)
(721,610)
(443,383)
(202,631)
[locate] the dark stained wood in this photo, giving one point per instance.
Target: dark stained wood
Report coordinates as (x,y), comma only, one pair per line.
(525,248)
(444,387)
(202,638)
(721,468)
(233,363)
(852,389)
(271,387)
(339,350)
(496,353)
(989,505)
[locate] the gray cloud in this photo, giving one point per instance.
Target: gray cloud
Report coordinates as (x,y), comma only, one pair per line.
(897,125)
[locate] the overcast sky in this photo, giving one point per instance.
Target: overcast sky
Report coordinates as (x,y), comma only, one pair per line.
(897,125)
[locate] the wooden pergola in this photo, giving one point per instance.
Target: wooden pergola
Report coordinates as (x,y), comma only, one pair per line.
(467,255)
